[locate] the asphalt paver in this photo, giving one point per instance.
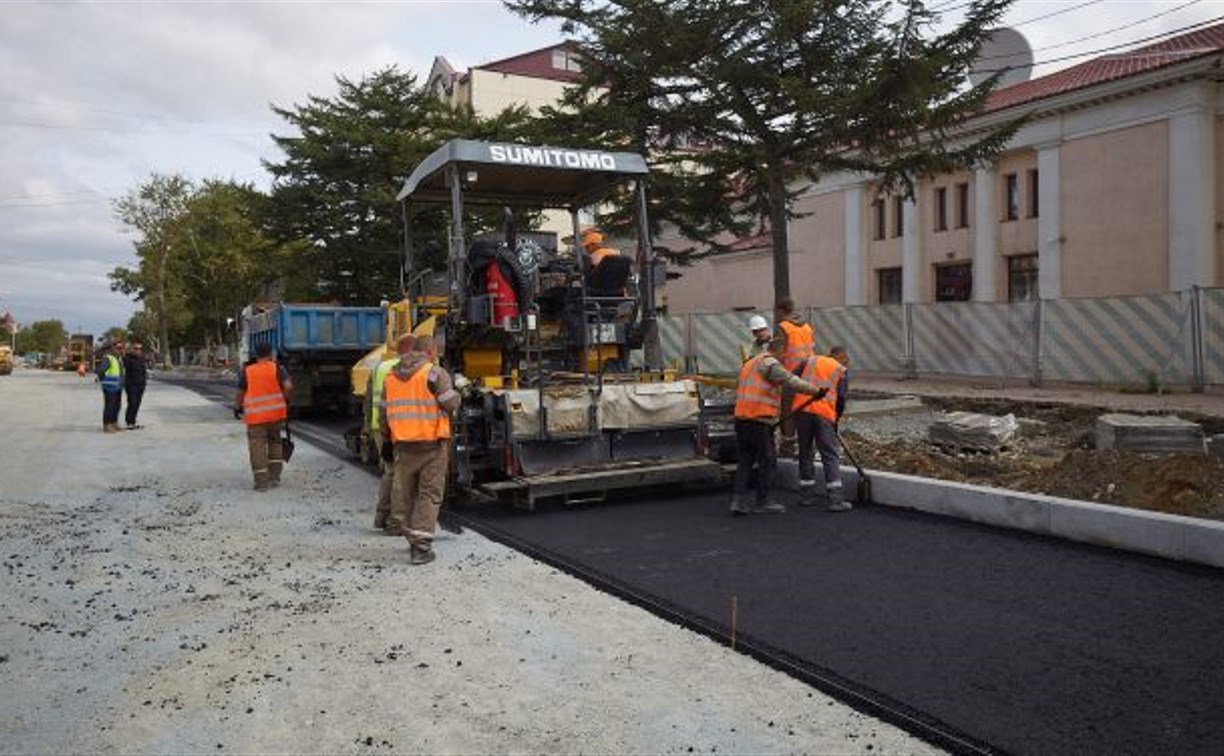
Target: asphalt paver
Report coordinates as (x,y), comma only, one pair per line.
(1025,643)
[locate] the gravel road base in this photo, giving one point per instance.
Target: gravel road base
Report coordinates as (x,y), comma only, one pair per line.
(153,603)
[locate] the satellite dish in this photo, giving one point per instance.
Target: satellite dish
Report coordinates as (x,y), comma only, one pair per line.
(1007,49)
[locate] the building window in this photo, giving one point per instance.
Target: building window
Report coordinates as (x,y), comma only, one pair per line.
(898,216)
(941,209)
(890,285)
(962,205)
(878,207)
(1011,206)
(1022,278)
(953,283)
(564,60)
(1033,195)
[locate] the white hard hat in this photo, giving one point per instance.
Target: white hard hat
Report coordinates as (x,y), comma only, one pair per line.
(757,322)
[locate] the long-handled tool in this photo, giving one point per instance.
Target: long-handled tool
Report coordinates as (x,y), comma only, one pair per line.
(863,490)
(797,410)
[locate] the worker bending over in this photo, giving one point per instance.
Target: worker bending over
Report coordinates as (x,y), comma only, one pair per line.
(418,399)
(387,514)
(758,404)
(816,423)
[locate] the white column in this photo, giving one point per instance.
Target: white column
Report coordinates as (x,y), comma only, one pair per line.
(1049,226)
(985,235)
(911,254)
(855,251)
(1191,200)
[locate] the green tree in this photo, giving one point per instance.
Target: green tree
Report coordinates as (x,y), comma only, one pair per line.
(735,101)
(115,333)
(42,336)
(343,167)
(153,212)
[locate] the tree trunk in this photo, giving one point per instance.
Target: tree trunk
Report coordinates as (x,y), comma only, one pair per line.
(163,326)
(778,232)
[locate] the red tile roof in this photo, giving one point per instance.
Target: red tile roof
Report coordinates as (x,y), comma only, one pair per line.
(536,64)
(1195,44)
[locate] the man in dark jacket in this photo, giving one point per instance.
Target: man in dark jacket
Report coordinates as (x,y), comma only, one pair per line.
(135,376)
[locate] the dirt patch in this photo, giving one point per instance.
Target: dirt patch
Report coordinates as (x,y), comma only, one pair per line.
(1054,455)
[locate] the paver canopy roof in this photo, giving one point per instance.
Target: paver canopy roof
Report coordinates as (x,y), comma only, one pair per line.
(495,173)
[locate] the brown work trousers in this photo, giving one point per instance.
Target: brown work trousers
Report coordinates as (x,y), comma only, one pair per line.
(264,445)
(390,508)
(420,475)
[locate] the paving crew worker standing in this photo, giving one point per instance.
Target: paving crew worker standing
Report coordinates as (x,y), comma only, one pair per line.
(110,374)
(758,404)
(263,396)
(760,335)
(800,344)
(386,519)
(135,376)
(418,401)
(816,422)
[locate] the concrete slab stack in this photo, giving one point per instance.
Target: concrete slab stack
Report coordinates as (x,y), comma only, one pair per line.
(1148,433)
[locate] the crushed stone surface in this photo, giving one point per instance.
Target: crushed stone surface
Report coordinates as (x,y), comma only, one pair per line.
(152,602)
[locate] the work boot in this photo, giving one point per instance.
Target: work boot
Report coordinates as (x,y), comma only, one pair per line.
(418,555)
(769,507)
(380,520)
(840,505)
(261,481)
(738,507)
(274,473)
(106,428)
(808,497)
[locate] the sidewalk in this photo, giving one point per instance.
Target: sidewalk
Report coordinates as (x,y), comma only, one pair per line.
(154,603)
(1210,403)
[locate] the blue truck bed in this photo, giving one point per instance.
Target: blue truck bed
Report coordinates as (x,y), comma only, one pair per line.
(319,345)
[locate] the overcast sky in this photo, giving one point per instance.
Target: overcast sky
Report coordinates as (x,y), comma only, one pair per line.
(97,96)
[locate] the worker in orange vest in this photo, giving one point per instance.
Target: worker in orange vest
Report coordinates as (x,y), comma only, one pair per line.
(596,251)
(800,344)
(816,422)
(758,404)
(417,402)
(264,388)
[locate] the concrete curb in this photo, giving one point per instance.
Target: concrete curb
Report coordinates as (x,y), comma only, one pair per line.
(1184,539)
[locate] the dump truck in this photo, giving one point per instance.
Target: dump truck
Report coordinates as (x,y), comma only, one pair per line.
(317,344)
(566,393)
(81,351)
(6,360)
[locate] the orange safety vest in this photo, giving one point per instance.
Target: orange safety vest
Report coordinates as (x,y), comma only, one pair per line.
(821,371)
(413,412)
(800,343)
(599,254)
(755,397)
(264,400)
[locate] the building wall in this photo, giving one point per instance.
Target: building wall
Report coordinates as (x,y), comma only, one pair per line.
(492,92)
(817,242)
(1114,216)
(738,281)
(881,253)
(948,246)
(1219,195)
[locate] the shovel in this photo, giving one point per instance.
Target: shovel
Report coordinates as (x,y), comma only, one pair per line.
(863,490)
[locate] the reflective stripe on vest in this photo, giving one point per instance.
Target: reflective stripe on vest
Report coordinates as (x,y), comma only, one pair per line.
(755,397)
(376,391)
(826,372)
(413,412)
(264,400)
(800,343)
(112,379)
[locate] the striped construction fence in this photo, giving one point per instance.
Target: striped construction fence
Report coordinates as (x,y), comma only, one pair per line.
(1139,340)
(1149,340)
(974,338)
(1211,326)
(873,336)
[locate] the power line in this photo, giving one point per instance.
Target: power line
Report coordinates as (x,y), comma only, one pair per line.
(1105,33)
(1056,13)
(1155,37)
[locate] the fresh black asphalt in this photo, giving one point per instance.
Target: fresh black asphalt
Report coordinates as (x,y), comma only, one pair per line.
(1027,644)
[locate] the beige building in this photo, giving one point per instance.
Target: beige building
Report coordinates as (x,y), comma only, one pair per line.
(533,79)
(1112,188)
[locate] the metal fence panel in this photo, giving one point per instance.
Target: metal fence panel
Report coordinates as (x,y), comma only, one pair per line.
(718,338)
(671,339)
(975,338)
(1212,329)
(873,336)
(1119,340)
